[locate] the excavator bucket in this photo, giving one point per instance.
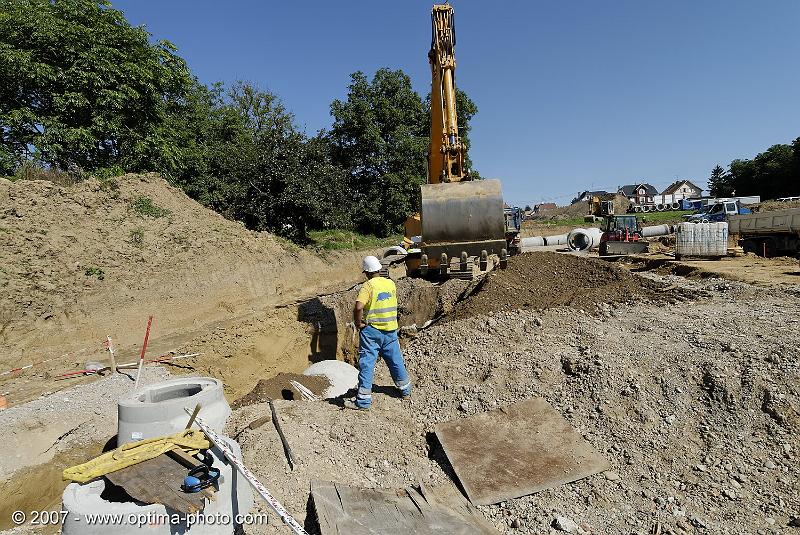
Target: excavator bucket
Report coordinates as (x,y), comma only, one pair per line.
(462,217)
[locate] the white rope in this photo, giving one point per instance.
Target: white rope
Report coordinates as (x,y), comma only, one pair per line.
(250,477)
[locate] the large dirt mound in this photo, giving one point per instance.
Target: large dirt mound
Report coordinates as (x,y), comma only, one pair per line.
(61,245)
(546,280)
(81,262)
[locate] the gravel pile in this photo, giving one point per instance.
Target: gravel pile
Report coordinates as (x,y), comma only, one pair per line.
(695,404)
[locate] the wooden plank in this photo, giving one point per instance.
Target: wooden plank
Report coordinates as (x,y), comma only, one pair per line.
(159,480)
(184,458)
(343,510)
(516,450)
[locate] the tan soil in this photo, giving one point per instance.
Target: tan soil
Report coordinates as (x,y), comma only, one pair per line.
(279,387)
(695,403)
(779,272)
(545,280)
(190,268)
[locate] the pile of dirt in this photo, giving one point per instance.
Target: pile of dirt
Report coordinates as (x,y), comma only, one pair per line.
(693,405)
(771,206)
(545,280)
(280,387)
(78,263)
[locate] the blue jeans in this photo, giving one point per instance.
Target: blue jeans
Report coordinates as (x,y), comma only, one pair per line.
(373,341)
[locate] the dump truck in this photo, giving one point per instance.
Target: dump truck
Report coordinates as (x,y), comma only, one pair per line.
(768,234)
(462,219)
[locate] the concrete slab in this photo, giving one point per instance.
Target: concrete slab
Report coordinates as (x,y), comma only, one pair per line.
(341,509)
(516,450)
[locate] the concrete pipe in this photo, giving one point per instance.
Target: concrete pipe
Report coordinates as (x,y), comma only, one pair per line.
(342,376)
(657,230)
(158,409)
(584,239)
(536,241)
(561,239)
(637,208)
(83,503)
(676,206)
(645,208)
(660,207)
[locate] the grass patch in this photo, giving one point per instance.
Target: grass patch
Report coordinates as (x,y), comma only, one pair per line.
(664,217)
(338,240)
(92,271)
(110,186)
(145,207)
(33,171)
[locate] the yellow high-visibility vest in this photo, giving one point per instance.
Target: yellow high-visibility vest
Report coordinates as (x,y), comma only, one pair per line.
(380,311)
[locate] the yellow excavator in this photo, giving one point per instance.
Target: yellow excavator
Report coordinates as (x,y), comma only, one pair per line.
(462,220)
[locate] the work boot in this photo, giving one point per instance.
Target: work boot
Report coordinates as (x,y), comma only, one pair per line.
(350,404)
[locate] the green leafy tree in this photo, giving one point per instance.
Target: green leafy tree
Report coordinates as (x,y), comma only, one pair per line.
(719,183)
(242,155)
(770,174)
(80,87)
(379,136)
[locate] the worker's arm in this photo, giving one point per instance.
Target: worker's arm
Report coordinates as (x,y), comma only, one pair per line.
(358,315)
(364,297)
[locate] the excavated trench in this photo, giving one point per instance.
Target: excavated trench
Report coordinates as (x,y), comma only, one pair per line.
(285,340)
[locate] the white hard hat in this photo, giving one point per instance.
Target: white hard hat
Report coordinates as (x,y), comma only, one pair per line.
(371,264)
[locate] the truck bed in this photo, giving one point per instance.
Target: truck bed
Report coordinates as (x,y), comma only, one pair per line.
(775,222)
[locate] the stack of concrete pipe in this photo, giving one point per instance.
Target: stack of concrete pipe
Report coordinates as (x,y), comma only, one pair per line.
(152,411)
(581,239)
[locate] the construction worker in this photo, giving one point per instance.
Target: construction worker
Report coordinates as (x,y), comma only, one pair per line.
(375,317)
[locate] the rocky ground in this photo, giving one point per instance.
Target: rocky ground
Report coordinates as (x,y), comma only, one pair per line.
(694,402)
(690,387)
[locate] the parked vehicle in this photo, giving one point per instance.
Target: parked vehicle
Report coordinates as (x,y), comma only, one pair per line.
(718,212)
(768,234)
(513,223)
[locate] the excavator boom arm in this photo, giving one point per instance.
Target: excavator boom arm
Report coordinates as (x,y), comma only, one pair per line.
(447,153)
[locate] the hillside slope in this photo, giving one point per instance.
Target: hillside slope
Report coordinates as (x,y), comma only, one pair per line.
(82,262)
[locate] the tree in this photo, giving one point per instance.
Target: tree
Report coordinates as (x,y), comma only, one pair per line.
(81,88)
(379,135)
(719,183)
(242,155)
(770,174)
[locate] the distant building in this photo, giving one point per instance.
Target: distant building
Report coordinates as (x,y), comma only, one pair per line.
(544,207)
(639,193)
(683,189)
(586,196)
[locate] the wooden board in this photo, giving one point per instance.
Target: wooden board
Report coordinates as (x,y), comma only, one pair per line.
(343,510)
(516,450)
(159,480)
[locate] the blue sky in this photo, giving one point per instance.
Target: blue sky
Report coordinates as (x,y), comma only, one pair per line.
(571,95)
